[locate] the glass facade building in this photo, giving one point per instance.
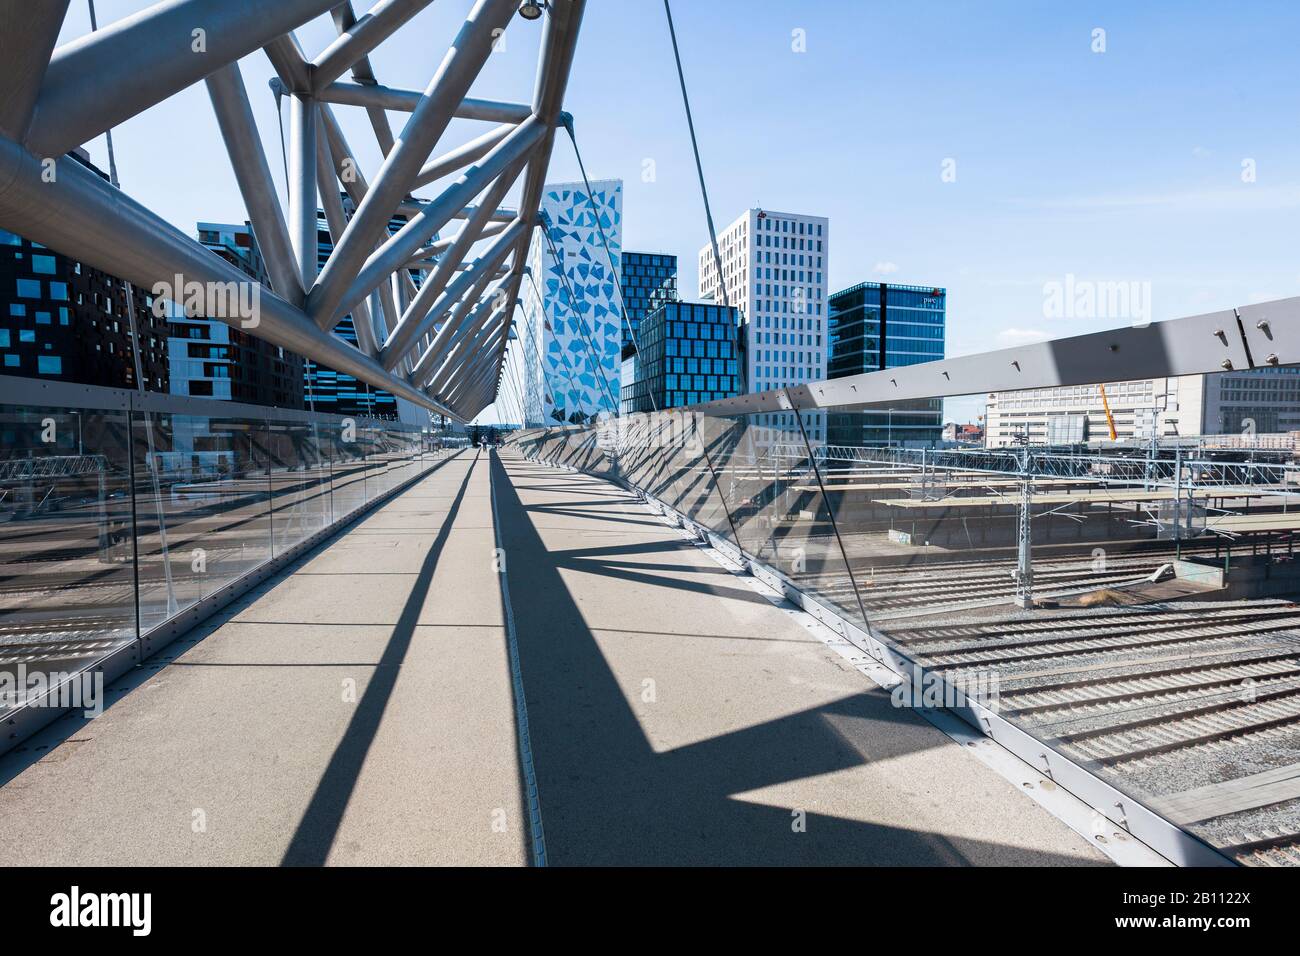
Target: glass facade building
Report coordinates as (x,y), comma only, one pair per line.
(687,356)
(874,326)
(649,280)
(61,319)
(212,359)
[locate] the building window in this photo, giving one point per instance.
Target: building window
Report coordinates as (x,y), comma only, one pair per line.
(49,365)
(43,265)
(29,288)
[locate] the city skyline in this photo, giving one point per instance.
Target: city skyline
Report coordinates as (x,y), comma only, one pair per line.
(1120,165)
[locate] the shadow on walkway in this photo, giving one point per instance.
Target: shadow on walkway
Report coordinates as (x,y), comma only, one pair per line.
(320,822)
(609,798)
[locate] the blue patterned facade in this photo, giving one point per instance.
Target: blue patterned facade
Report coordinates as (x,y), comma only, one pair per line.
(573,333)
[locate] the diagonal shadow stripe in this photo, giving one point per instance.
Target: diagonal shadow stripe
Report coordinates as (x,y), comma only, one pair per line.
(320,822)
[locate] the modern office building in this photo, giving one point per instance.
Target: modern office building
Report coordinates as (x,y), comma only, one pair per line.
(774,270)
(241,367)
(687,356)
(878,325)
(1261,402)
(572,330)
(61,319)
(327,390)
(649,280)
(212,359)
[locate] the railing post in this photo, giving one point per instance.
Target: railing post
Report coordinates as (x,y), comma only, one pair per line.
(1024,528)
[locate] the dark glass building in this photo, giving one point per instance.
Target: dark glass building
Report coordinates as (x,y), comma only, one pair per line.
(688,355)
(61,319)
(649,280)
(337,392)
(874,326)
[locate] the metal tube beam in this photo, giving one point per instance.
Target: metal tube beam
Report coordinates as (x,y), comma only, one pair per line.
(411,325)
(239,130)
(559,43)
(28,33)
(463,390)
(362,37)
(405,101)
(486,320)
(453,160)
(426,254)
(337,221)
(478,275)
(100,80)
(429,364)
(290,63)
(473,392)
(85,218)
(469,51)
(344,18)
(435,362)
(304,212)
(432,217)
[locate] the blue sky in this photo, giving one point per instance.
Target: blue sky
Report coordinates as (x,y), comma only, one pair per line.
(1125,165)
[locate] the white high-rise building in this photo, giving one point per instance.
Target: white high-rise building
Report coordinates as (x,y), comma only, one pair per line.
(774,269)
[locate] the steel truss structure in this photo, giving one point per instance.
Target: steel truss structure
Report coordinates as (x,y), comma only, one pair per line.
(440,341)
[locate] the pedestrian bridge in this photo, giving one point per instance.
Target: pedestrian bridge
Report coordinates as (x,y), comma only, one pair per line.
(611,695)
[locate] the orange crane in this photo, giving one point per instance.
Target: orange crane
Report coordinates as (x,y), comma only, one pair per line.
(1110,419)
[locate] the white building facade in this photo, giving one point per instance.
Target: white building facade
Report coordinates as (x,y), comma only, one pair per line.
(571,337)
(1261,401)
(774,270)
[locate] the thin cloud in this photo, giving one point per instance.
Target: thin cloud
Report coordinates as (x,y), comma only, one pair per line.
(885,268)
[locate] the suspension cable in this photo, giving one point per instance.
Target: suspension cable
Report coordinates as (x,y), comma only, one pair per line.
(704,192)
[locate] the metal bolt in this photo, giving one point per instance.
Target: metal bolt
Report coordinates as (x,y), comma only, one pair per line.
(1222,336)
(1262,325)
(1271,359)
(1227,364)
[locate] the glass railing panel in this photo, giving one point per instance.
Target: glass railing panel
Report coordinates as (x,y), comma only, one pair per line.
(346,441)
(299,482)
(66,544)
(202,486)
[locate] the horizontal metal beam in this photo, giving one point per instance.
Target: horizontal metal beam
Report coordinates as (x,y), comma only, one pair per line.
(1197,344)
(405,101)
(96,82)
